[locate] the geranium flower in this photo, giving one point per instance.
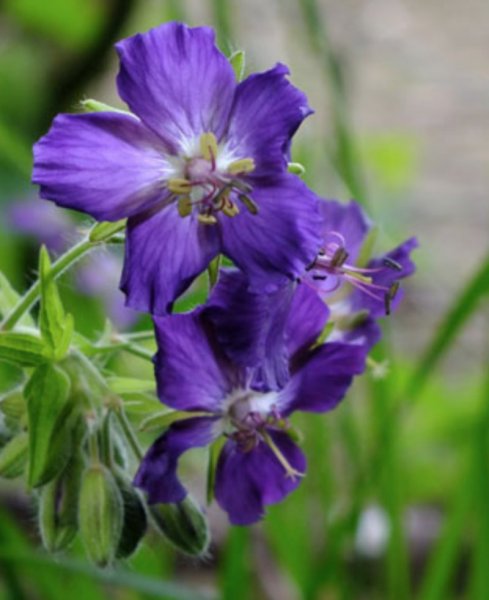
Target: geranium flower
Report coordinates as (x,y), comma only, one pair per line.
(199,168)
(259,463)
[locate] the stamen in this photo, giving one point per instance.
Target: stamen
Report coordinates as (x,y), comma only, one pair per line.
(248,202)
(208,147)
(229,208)
(390,295)
(207,219)
(320,277)
(179,185)
(184,206)
(392,264)
(244,165)
(339,257)
(289,469)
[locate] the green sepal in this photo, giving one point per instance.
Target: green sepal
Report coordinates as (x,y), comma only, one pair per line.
(91,105)
(213,270)
(56,328)
(14,455)
(100,514)
(127,385)
(51,415)
(135,517)
(184,525)
(214,452)
(296,168)
(22,349)
(105,230)
(9,298)
(238,62)
(162,420)
(58,508)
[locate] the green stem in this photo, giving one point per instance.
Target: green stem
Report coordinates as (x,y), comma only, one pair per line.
(129,433)
(139,336)
(126,346)
(59,267)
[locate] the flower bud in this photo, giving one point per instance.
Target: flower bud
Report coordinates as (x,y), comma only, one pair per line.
(135,518)
(13,456)
(12,409)
(184,525)
(58,508)
(100,514)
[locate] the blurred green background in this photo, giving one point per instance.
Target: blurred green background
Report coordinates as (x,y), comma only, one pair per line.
(396,501)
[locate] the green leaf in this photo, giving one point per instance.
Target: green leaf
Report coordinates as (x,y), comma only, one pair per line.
(50,412)
(9,299)
(462,308)
(56,328)
(23,349)
(238,62)
(127,385)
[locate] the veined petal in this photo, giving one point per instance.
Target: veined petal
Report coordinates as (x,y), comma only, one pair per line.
(190,373)
(276,244)
(108,165)
(246,482)
(323,378)
(307,318)
(250,327)
(267,111)
(157,474)
(164,253)
(177,81)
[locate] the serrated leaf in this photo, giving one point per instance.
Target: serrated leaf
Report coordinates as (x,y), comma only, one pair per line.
(164,419)
(9,299)
(127,385)
(55,327)
(50,411)
(22,349)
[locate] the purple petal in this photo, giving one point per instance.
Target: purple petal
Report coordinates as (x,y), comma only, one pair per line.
(386,277)
(108,165)
(250,327)
(157,474)
(349,220)
(177,81)
(164,254)
(307,318)
(323,379)
(266,113)
(246,482)
(190,373)
(278,242)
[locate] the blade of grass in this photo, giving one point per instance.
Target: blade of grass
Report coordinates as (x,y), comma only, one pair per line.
(463,307)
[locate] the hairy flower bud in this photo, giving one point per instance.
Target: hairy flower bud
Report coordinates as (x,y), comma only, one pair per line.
(135,518)
(184,525)
(100,514)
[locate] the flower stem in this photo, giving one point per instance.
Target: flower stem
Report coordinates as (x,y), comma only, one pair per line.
(59,267)
(129,433)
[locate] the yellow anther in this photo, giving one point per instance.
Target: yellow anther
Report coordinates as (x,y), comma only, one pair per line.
(248,202)
(179,185)
(207,219)
(245,165)
(184,206)
(230,208)
(208,146)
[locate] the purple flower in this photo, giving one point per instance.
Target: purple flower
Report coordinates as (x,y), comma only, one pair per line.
(199,168)
(376,285)
(259,463)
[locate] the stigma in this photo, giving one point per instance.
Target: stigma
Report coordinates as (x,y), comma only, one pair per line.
(210,183)
(331,268)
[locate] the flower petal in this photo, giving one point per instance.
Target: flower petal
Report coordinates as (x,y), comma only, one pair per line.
(250,327)
(164,254)
(246,482)
(190,372)
(386,277)
(321,381)
(108,165)
(267,111)
(157,474)
(277,243)
(177,81)
(307,318)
